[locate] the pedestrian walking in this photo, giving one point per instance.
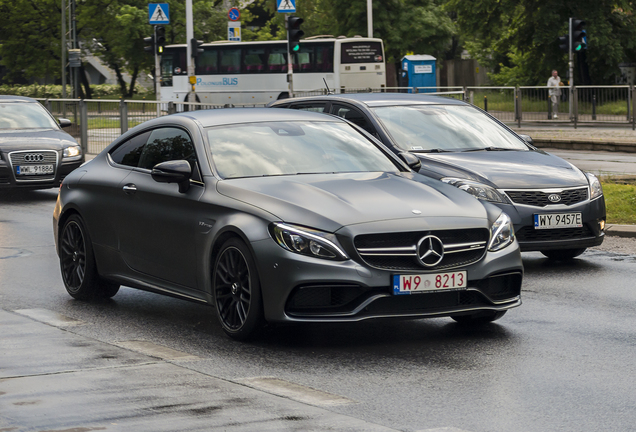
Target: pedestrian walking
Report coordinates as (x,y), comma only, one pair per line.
(554,83)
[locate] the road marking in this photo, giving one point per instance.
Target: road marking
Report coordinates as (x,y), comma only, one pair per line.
(295,392)
(49,317)
(154,350)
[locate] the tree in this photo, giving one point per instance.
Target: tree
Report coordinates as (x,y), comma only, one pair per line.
(518,39)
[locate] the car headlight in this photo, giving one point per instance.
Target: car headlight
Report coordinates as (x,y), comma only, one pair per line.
(307,241)
(476,189)
(72,151)
(502,233)
(596,190)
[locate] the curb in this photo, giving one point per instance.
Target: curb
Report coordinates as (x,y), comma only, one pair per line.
(595,145)
(615,230)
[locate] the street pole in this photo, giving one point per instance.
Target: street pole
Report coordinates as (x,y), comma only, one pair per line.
(157,75)
(370,18)
(571,72)
(189,37)
(290,67)
(64,49)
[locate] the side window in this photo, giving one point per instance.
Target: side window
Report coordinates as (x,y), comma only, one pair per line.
(129,152)
(353,115)
(314,107)
(231,60)
(166,144)
(255,60)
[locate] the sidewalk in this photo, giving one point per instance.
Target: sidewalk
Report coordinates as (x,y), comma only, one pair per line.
(564,136)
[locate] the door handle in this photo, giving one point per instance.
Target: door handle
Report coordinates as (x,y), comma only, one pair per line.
(130,189)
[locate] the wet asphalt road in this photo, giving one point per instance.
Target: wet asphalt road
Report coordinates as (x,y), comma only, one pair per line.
(563,361)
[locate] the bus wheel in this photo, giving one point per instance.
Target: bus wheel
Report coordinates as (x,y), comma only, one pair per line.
(283,96)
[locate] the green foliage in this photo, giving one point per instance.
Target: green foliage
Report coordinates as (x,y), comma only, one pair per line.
(620,201)
(517,39)
(105,91)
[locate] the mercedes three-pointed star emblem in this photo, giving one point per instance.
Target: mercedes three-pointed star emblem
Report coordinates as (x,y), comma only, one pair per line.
(430,251)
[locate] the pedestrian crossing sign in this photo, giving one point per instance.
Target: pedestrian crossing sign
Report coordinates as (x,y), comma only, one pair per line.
(158,13)
(286,6)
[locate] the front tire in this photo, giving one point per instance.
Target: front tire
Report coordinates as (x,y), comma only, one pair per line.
(77,263)
(237,292)
(563,254)
(479,318)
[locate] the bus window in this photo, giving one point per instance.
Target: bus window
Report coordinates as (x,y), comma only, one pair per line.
(166,69)
(277,61)
(304,59)
(254,60)
(361,52)
(173,63)
(324,57)
(231,60)
(207,62)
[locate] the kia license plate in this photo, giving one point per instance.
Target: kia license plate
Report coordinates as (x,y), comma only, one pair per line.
(557,220)
(422,283)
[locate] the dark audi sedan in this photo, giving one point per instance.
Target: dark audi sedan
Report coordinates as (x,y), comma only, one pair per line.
(281,216)
(35,153)
(555,207)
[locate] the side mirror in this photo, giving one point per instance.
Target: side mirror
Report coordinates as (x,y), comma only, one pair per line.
(177,171)
(411,160)
(528,139)
(64,122)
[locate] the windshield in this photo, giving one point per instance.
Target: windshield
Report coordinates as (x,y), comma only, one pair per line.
(21,115)
(289,148)
(445,128)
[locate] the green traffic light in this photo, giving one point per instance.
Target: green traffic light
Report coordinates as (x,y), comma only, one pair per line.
(296,48)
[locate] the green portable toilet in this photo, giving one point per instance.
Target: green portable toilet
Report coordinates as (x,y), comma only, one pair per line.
(418,70)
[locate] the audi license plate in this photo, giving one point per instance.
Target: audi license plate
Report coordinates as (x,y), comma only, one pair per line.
(34,169)
(421,283)
(557,220)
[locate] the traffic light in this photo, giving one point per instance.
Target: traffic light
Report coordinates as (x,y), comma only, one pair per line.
(194,47)
(160,38)
(564,43)
(579,35)
(149,43)
(294,33)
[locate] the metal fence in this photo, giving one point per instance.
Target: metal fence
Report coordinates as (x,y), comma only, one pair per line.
(96,123)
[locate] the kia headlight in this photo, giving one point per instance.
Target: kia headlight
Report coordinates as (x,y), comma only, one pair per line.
(476,189)
(502,233)
(596,190)
(71,152)
(307,241)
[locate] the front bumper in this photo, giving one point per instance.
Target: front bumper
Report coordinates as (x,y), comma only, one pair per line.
(304,289)
(10,180)
(531,239)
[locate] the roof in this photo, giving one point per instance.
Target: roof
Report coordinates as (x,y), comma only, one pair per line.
(417,57)
(13,98)
(387,99)
(219,117)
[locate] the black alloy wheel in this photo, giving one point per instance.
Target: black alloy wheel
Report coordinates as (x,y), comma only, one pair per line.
(236,290)
(77,263)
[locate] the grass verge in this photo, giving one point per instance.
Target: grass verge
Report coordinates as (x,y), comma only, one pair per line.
(620,200)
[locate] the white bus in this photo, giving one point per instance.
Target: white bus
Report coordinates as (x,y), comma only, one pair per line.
(256,72)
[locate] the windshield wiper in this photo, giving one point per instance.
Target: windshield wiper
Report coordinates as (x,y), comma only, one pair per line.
(491,148)
(435,150)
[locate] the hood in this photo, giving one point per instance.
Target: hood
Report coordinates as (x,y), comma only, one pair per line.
(37,139)
(506,169)
(331,201)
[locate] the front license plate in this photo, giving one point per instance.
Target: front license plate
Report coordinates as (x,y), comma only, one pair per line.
(557,220)
(421,283)
(34,169)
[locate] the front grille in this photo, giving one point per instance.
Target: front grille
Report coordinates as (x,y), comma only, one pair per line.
(422,303)
(398,251)
(332,298)
(34,157)
(529,234)
(540,198)
(501,287)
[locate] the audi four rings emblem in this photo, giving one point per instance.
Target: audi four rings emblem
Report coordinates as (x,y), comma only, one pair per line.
(555,198)
(430,251)
(33,157)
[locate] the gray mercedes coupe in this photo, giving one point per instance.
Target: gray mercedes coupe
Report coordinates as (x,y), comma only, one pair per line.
(281,216)
(35,153)
(555,207)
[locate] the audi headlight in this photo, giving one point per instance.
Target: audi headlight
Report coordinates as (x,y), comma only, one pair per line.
(476,189)
(502,233)
(307,241)
(72,151)
(596,190)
